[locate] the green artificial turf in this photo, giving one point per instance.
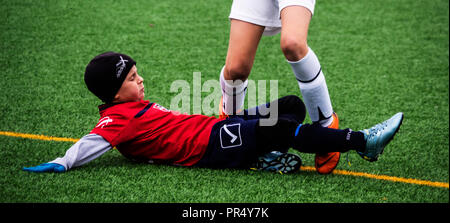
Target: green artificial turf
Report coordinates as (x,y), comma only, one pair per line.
(379,57)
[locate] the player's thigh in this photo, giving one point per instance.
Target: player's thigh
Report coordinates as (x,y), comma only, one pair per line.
(294,30)
(242,47)
(278,136)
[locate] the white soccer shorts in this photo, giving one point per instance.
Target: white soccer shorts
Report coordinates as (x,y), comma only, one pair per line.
(265,12)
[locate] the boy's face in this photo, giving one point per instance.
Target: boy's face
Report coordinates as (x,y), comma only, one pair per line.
(132,88)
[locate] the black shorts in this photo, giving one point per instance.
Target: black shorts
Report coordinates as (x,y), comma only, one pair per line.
(232,144)
(238,141)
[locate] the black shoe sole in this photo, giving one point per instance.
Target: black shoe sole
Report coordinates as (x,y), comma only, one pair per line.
(284,164)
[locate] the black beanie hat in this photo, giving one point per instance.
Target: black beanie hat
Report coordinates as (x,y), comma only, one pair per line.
(105,74)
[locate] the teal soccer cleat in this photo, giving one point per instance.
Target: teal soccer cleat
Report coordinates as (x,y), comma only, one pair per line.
(278,162)
(379,136)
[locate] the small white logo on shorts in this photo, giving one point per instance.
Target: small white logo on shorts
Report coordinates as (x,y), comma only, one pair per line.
(230,136)
(348,135)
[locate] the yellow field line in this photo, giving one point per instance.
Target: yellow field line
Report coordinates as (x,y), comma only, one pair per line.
(304,168)
(383,177)
(38,137)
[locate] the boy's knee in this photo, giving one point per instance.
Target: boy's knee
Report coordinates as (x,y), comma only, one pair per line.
(294,100)
(238,71)
(293,48)
(297,107)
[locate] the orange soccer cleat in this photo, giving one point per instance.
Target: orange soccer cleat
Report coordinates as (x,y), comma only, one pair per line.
(325,163)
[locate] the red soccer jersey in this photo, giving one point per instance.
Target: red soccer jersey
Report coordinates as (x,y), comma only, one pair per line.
(147,131)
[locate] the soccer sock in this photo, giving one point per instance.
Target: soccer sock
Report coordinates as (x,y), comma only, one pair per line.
(318,139)
(313,88)
(233,93)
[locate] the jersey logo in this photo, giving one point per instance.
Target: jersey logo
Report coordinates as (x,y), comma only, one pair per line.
(230,136)
(104,121)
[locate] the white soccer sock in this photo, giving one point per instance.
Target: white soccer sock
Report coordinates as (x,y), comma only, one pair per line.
(313,87)
(233,93)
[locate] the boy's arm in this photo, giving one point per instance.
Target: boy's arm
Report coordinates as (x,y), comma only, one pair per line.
(85,150)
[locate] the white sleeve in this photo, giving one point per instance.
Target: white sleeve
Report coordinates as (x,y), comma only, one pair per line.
(85,150)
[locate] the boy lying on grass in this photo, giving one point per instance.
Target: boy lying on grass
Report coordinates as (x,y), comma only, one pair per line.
(145,131)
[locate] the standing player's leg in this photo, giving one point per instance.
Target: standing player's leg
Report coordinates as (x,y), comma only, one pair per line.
(295,21)
(305,64)
(243,43)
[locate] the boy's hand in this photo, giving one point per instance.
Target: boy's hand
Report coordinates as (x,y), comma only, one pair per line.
(46,167)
